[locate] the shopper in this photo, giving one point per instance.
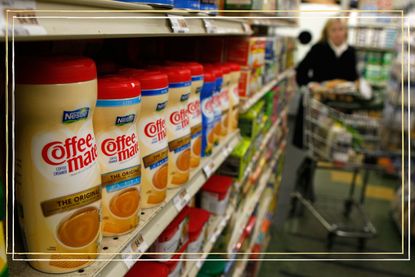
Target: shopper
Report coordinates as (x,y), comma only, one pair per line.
(329,59)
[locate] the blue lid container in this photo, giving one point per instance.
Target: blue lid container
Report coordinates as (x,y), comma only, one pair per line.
(187,4)
(165,3)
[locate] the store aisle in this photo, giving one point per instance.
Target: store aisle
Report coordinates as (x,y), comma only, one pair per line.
(305,234)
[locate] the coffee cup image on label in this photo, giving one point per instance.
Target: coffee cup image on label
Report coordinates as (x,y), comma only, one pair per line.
(80,228)
(125,203)
(180,153)
(155,169)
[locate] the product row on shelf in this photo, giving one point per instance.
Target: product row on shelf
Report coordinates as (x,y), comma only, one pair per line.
(240,214)
(138,134)
(396,110)
(68,19)
(374,38)
(375,66)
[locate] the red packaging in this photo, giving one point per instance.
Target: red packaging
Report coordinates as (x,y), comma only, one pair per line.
(172,237)
(144,268)
(246,51)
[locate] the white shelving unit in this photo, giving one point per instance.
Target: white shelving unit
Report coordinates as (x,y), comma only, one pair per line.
(264,90)
(251,203)
(78,19)
(92,19)
(152,222)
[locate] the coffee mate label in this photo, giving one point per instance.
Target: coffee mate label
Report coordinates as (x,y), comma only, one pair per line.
(208,119)
(58,180)
(153,146)
(178,133)
(119,159)
(195,117)
(218,114)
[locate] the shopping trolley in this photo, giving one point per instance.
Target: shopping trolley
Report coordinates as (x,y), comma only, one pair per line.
(336,141)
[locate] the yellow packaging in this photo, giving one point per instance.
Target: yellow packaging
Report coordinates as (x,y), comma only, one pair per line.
(195,117)
(234,100)
(178,127)
(115,126)
(224,104)
(152,137)
(58,179)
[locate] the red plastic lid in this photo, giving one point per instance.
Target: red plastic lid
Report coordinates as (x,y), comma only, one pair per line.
(149,79)
(118,87)
(173,227)
(55,70)
(226,68)
(144,268)
(209,76)
(176,73)
(172,263)
(234,66)
(218,184)
(197,220)
(217,71)
(195,68)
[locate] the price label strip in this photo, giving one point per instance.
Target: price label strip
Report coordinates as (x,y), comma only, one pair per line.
(134,250)
(181,200)
(22,13)
(209,169)
(199,263)
(210,26)
(246,28)
(178,24)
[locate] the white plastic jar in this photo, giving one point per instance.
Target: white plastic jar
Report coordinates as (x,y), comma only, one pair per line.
(152,133)
(115,126)
(57,178)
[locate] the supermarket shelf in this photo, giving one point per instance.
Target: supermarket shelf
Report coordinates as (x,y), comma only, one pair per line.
(218,225)
(274,22)
(78,19)
(272,131)
(241,265)
(251,203)
(373,48)
(152,222)
(265,89)
(376,26)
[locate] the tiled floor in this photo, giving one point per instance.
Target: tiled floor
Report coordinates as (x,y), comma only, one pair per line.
(305,234)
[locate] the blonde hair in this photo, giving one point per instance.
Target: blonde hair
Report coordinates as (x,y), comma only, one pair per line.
(325,32)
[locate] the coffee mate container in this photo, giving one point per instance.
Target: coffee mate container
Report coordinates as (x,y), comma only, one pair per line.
(216,102)
(194,112)
(224,99)
(234,96)
(115,126)
(195,116)
(152,135)
(58,181)
(177,124)
(208,114)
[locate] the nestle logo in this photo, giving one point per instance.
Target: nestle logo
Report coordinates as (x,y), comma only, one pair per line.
(122,120)
(161,106)
(184,97)
(72,116)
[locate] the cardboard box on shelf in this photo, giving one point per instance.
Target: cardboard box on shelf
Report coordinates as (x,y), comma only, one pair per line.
(251,122)
(248,52)
(251,81)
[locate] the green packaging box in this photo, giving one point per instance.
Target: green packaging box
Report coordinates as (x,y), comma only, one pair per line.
(251,122)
